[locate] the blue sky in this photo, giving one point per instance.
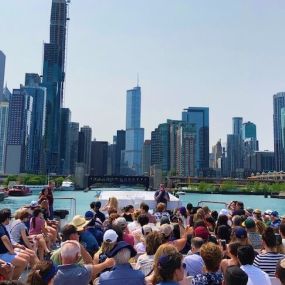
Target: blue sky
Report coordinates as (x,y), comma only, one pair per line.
(228,55)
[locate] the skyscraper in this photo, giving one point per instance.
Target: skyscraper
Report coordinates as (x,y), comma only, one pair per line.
(2,72)
(73,141)
(120,147)
(64,141)
(279,123)
(200,117)
(237,126)
(53,80)
(99,156)
(84,147)
(18,133)
(134,132)
(4,110)
(35,158)
(146,157)
(248,130)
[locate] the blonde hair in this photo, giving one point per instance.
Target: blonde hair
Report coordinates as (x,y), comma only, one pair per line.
(164,249)
(113,203)
(107,246)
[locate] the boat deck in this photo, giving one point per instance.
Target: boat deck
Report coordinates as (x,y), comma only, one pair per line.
(135,198)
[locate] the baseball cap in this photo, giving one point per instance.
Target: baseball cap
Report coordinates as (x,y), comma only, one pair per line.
(110,236)
(201,232)
(249,210)
(275,214)
(89,215)
(248,223)
(268,212)
(240,232)
(118,247)
(146,229)
(257,211)
(166,229)
(34,204)
(121,222)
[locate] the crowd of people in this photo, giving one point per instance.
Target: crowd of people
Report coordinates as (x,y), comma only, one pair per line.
(112,246)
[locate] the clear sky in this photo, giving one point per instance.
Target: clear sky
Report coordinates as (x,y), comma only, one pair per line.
(227,55)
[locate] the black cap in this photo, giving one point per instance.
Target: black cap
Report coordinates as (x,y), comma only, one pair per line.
(118,247)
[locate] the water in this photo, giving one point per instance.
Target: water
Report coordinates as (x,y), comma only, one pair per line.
(83,200)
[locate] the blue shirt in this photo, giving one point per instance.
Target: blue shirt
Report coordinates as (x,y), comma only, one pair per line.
(3,232)
(122,274)
(89,241)
(168,283)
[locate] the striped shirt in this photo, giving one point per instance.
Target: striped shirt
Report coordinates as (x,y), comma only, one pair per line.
(267,262)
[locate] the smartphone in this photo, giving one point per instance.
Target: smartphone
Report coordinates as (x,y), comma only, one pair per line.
(224,244)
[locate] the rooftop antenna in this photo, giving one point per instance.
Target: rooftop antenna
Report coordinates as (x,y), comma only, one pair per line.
(138,79)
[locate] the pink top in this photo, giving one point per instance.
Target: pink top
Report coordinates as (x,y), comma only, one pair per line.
(128,238)
(38,226)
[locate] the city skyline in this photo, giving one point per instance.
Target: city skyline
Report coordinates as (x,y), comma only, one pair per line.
(254,59)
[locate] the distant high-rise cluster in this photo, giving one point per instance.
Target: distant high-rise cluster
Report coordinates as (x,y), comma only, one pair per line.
(38,136)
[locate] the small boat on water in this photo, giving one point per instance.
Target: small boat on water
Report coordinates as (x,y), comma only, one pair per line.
(19,190)
(180,193)
(67,185)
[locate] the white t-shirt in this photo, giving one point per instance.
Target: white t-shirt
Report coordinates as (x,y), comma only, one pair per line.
(255,275)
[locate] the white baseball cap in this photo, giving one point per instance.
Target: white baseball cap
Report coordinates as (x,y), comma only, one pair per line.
(110,236)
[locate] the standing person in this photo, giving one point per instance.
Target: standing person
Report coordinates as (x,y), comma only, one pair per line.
(235,276)
(161,195)
(95,207)
(144,210)
(280,271)
(49,195)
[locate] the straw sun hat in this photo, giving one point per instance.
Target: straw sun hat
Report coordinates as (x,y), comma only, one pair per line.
(79,222)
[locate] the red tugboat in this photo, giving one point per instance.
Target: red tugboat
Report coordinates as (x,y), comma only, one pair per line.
(19,190)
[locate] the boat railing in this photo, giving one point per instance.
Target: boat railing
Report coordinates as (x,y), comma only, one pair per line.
(212,202)
(72,205)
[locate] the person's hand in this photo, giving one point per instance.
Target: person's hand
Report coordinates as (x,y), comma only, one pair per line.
(7,267)
(110,262)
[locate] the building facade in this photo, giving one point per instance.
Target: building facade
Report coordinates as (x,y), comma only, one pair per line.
(18,132)
(99,158)
(53,80)
(146,157)
(120,147)
(134,133)
(199,116)
(73,141)
(4,110)
(84,147)
(279,123)
(2,72)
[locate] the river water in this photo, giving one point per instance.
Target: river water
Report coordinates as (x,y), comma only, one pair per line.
(83,200)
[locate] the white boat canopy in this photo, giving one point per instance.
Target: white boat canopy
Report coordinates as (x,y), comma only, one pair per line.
(135,198)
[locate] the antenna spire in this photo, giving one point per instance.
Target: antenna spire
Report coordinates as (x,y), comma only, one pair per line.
(138,79)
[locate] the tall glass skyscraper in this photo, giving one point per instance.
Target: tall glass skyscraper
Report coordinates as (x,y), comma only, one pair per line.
(248,130)
(2,72)
(53,80)
(279,123)
(4,109)
(200,117)
(35,158)
(134,133)
(237,126)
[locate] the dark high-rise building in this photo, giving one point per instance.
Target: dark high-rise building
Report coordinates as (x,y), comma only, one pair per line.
(120,147)
(64,141)
(35,160)
(237,126)
(84,147)
(73,141)
(18,134)
(53,80)
(200,117)
(248,130)
(99,157)
(262,161)
(146,157)
(279,130)
(2,72)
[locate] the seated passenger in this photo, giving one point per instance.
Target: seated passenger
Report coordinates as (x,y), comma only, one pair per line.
(72,273)
(235,276)
(253,236)
(161,212)
(280,271)
(268,260)
(85,237)
(122,224)
(145,261)
(255,275)
(212,256)
(122,272)
(69,232)
(194,262)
